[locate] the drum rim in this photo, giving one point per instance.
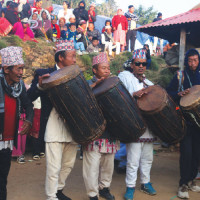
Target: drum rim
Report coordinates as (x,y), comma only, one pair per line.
(194,104)
(65,78)
(165,100)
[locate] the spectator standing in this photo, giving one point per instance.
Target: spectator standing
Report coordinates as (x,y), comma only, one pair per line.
(80,13)
(91,13)
(92,32)
(159,17)
(108,41)
(120,27)
(131,34)
(66,12)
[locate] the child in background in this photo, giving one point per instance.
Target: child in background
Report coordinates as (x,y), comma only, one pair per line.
(94,47)
(63,28)
(74,35)
(72,20)
(55,28)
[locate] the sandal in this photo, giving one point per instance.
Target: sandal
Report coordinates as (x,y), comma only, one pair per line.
(36,157)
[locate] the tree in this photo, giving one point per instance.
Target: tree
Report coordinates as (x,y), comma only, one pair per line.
(145,16)
(108,8)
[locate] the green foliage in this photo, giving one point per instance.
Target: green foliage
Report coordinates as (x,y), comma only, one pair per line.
(116,65)
(154,64)
(146,16)
(13,40)
(3,44)
(108,8)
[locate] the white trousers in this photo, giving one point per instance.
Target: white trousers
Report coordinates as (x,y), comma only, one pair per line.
(109,46)
(60,159)
(139,155)
(97,171)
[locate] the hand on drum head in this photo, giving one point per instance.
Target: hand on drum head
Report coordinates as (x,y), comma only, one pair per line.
(184,92)
(139,93)
(42,78)
(97,82)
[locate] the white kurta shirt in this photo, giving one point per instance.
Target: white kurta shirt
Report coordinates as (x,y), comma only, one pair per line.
(132,84)
(67,16)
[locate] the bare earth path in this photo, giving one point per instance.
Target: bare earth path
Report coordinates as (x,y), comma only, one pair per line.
(26,182)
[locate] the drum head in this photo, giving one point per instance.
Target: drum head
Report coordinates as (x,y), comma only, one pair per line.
(105,85)
(61,76)
(191,98)
(153,100)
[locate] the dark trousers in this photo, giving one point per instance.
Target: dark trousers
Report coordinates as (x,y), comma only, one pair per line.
(131,35)
(189,155)
(5,162)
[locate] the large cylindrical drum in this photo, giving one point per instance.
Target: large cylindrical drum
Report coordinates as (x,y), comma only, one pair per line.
(73,99)
(161,115)
(124,121)
(190,105)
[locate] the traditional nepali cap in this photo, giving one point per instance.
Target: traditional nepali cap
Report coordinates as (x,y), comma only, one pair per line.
(139,53)
(54,17)
(65,46)
(101,58)
(11,56)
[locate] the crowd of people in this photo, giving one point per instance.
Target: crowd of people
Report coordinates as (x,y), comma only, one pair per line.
(30,22)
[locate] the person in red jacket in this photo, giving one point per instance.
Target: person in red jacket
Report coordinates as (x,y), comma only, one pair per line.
(120,27)
(91,13)
(55,27)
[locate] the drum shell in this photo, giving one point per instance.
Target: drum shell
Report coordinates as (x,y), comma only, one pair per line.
(166,122)
(76,104)
(192,114)
(124,121)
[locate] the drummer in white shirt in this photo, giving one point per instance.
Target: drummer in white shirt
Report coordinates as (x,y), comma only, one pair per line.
(140,153)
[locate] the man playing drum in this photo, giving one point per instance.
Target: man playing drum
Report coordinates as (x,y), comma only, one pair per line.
(60,148)
(139,154)
(98,156)
(189,145)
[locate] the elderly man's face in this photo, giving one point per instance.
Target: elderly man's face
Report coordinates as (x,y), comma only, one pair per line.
(193,62)
(103,70)
(15,74)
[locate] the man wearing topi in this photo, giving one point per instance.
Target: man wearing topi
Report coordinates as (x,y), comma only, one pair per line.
(13,98)
(189,145)
(60,147)
(140,153)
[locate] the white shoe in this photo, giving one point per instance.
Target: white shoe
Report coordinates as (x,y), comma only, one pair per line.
(79,52)
(192,186)
(183,192)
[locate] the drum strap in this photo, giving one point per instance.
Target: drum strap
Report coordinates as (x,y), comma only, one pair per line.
(188,79)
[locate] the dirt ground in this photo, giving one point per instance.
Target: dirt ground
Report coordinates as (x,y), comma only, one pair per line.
(26,182)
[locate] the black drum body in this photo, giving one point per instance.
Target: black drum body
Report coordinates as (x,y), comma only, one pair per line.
(124,121)
(76,104)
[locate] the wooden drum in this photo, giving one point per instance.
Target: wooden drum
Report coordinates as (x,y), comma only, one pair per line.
(161,115)
(124,121)
(190,105)
(73,99)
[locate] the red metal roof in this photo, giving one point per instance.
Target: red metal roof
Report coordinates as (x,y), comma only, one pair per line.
(169,28)
(187,17)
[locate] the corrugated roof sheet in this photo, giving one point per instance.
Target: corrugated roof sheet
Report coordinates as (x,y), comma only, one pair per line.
(187,17)
(170,28)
